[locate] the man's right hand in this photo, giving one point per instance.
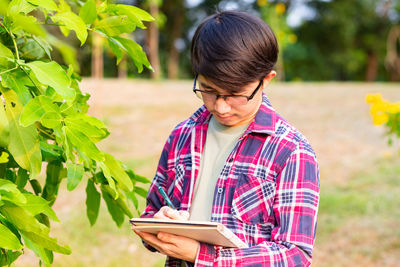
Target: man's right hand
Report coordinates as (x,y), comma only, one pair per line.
(169,213)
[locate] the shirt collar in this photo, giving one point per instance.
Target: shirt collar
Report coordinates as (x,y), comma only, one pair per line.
(264,121)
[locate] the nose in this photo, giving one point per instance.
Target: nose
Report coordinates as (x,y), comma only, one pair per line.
(221,106)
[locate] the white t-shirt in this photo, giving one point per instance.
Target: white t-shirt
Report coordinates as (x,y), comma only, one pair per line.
(220,142)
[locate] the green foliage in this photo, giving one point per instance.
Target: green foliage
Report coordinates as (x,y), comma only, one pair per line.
(340,42)
(43,121)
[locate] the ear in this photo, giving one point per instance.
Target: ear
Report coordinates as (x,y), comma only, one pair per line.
(269,77)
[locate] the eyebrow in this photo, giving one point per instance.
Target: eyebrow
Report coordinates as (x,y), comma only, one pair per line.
(206,86)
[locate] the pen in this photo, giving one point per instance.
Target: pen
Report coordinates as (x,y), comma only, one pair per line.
(165,196)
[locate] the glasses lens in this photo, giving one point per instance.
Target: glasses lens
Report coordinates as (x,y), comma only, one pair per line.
(236,100)
(199,94)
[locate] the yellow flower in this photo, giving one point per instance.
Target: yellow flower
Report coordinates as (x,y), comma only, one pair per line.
(261,2)
(371,98)
(394,108)
(280,8)
(379,119)
(378,107)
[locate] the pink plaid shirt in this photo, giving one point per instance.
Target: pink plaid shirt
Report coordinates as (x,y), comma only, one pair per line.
(267,192)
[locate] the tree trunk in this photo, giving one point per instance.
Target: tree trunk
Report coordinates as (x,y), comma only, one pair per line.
(372,67)
(173,61)
(152,42)
(97,56)
(392,60)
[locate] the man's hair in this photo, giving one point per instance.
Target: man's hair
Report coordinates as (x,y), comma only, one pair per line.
(233,49)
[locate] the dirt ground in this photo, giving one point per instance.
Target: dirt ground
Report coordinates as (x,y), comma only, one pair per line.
(140,115)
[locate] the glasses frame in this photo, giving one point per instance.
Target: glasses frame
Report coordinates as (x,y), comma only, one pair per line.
(250,97)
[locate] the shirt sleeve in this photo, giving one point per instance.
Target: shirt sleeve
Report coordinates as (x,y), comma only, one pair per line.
(295,209)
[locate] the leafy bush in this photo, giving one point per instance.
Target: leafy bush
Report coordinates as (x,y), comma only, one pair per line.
(386,113)
(44,128)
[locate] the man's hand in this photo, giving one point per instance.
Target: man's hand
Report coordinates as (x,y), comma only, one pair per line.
(172,245)
(169,213)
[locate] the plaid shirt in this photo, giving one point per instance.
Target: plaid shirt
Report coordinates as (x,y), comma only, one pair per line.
(267,192)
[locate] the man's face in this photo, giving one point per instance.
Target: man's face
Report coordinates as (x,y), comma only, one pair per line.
(232,115)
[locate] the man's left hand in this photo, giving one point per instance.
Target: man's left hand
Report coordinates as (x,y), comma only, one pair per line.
(172,245)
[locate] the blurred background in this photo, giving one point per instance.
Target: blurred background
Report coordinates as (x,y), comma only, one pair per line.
(332,54)
(344,40)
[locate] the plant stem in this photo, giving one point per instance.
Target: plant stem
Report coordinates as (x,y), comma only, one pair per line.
(8,70)
(13,39)
(46,133)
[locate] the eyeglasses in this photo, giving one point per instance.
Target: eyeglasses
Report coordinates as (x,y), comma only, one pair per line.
(232,100)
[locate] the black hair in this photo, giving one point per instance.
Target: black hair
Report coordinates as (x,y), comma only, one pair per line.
(233,49)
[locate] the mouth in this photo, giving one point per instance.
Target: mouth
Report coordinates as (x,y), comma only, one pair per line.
(224,118)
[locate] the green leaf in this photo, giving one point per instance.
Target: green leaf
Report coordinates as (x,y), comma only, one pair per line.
(137,178)
(53,180)
(107,175)
(50,151)
(44,44)
(72,22)
(31,50)
(18,81)
(46,4)
(142,192)
(19,6)
(115,211)
(8,240)
(46,242)
(37,188)
(27,24)
(6,57)
(115,25)
(132,196)
(32,112)
(35,205)
(9,191)
(4,157)
(11,255)
(44,254)
(135,52)
(136,15)
(22,179)
(116,49)
(22,219)
(4,128)
(83,143)
(54,75)
(37,108)
(137,12)
(88,12)
(51,120)
(90,126)
(92,202)
(117,172)
(24,142)
(75,174)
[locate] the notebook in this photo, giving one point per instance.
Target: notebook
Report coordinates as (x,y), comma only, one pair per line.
(207,232)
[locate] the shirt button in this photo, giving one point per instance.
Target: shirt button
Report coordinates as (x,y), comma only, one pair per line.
(230,160)
(220,190)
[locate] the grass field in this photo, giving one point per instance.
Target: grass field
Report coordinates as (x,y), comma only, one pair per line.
(360,175)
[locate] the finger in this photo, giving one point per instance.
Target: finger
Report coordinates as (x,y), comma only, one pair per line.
(184,215)
(162,213)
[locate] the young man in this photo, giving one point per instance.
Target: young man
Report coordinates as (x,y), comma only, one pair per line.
(235,160)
